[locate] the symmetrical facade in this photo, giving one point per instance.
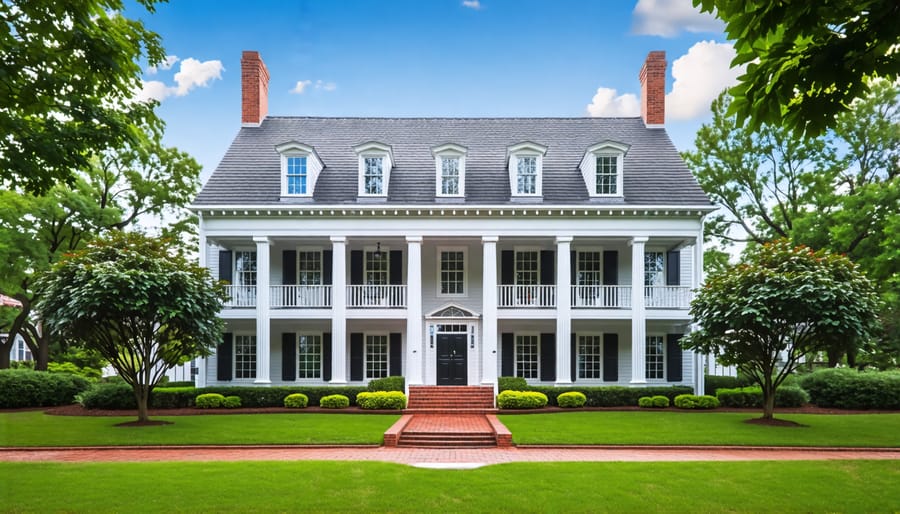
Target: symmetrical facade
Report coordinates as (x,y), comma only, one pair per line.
(452,251)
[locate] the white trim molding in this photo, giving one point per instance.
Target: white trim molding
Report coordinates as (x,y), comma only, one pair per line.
(449,151)
(525,150)
(374,149)
(588,166)
(314,166)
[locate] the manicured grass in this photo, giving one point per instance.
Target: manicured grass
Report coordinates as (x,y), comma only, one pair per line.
(797,486)
(702,428)
(34,428)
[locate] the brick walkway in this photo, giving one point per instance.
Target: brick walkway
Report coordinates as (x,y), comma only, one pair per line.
(446,457)
(448,423)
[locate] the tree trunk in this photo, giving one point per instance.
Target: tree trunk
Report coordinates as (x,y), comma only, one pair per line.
(142,395)
(768,401)
(42,357)
(4,355)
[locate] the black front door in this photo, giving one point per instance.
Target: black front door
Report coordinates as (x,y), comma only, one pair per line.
(451,359)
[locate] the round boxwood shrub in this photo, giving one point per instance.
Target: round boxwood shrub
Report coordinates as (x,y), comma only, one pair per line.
(645,402)
(108,396)
(209,401)
(660,402)
(28,388)
(687,401)
(521,400)
(296,401)
(334,401)
(381,400)
(231,402)
(708,402)
(571,400)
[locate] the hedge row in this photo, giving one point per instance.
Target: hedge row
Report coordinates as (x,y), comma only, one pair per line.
(521,400)
(612,396)
(27,388)
(381,400)
(393,383)
(850,389)
(785,396)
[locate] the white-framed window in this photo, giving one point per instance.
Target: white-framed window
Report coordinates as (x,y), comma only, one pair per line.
(527,356)
(300,167)
(376,356)
(601,168)
(590,357)
(450,176)
(309,356)
(375,164)
(589,268)
(245,268)
(376,267)
(244,356)
(526,169)
(309,267)
(654,268)
(450,170)
(527,266)
(655,357)
(451,271)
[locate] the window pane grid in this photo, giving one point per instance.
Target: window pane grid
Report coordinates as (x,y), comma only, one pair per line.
(527,175)
(376,356)
(309,268)
(590,357)
(452,272)
(296,175)
(309,356)
(245,268)
(376,269)
(589,269)
(655,357)
(372,177)
(526,268)
(527,356)
(450,176)
(245,356)
(607,175)
(653,269)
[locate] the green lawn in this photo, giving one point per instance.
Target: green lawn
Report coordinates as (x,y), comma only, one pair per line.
(797,486)
(702,428)
(34,428)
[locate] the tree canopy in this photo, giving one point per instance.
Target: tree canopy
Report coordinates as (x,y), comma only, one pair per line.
(69,72)
(807,61)
(138,301)
(778,306)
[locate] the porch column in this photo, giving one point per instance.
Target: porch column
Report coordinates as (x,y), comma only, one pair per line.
(414,328)
(338,310)
(263,347)
(201,255)
(699,359)
(489,311)
(563,310)
(638,315)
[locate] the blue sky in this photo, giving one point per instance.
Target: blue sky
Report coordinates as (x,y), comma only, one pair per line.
(429,58)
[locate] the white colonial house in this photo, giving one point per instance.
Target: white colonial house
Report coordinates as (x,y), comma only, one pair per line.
(453,250)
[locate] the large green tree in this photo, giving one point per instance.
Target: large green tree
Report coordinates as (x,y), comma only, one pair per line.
(807,61)
(68,72)
(138,301)
(780,305)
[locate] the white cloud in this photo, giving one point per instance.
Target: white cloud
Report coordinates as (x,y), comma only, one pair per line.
(700,75)
(192,74)
(167,64)
(472,4)
(606,104)
(327,86)
(667,18)
(152,90)
(300,87)
(303,85)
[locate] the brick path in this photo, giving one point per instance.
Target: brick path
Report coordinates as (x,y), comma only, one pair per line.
(448,423)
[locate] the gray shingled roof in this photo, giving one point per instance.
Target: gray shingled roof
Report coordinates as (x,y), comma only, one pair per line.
(654,173)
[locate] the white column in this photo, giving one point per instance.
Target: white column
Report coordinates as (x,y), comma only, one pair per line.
(563,311)
(201,255)
(638,316)
(338,310)
(263,345)
(489,312)
(699,386)
(414,328)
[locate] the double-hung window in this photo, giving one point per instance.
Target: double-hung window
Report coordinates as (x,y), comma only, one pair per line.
(655,357)
(607,175)
(450,169)
(376,356)
(309,356)
(309,268)
(375,163)
(300,167)
(654,269)
(296,176)
(452,267)
(243,293)
(450,176)
(373,178)
(601,168)
(244,356)
(376,270)
(526,175)
(525,169)
(527,355)
(590,357)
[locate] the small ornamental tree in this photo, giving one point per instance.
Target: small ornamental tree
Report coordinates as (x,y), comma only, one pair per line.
(138,302)
(783,302)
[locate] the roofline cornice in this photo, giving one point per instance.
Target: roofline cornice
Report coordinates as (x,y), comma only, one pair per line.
(504,210)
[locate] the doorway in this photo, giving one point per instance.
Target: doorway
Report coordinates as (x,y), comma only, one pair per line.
(452,368)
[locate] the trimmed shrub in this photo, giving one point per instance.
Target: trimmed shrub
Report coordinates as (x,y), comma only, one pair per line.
(209,401)
(296,401)
(511,384)
(708,402)
(851,389)
(251,396)
(521,400)
(660,402)
(645,402)
(751,397)
(571,400)
(612,396)
(28,388)
(173,397)
(334,401)
(231,402)
(691,401)
(387,384)
(177,383)
(381,400)
(108,396)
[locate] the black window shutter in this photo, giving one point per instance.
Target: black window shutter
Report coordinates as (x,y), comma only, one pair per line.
(356,267)
(574,356)
(326,356)
(548,357)
(225,268)
(395,268)
(548,269)
(396,351)
(507,268)
(288,356)
(573,268)
(673,268)
(673,358)
(223,357)
(356,356)
(327,264)
(610,357)
(610,267)
(508,355)
(289,267)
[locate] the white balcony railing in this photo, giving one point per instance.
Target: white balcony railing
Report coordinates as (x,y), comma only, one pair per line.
(240,297)
(667,297)
(300,297)
(376,297)
(526,297)
(601,297)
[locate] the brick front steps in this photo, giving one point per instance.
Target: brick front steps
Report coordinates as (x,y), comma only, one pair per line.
(436,399)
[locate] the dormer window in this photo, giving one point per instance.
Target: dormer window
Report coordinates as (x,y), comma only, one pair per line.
(375,163)
(300,167)
(450,166)
(525,169)
(602,168)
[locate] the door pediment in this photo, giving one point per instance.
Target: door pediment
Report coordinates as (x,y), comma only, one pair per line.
(452,311)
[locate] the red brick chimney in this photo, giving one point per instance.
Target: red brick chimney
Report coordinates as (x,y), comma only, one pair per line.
(653,90)
(254,89)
